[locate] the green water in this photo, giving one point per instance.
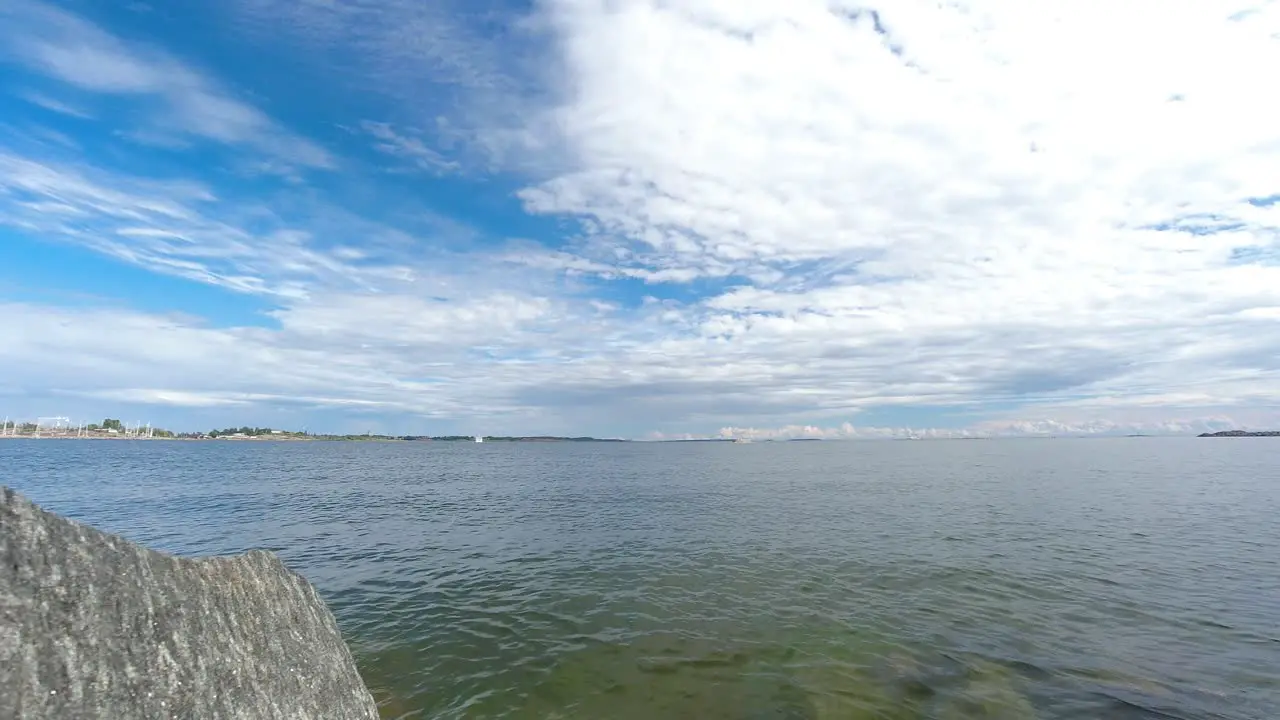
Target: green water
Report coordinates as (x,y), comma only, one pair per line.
(1128,578)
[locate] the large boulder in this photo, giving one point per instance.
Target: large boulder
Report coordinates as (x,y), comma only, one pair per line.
(94,626)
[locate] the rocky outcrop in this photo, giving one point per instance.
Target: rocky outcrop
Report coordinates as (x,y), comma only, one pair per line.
(94,626)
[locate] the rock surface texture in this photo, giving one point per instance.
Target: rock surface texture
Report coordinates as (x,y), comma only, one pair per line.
(94,626)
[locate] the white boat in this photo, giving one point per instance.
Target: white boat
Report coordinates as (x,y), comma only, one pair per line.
(479,439)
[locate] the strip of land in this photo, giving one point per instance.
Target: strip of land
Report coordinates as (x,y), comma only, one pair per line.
(1242,433)
(285,437)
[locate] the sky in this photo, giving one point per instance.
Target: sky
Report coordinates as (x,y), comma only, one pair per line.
(643,218)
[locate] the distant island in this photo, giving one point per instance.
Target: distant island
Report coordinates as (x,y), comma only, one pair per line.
(1242,433)
(507,438)
(736,440)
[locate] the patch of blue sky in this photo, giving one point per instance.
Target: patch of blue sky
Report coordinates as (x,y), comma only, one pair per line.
(56,273)
(455,213)
(632,293)
(27,102)
(272,70)
(1255,255)
(122,137)
(28,98)
(809,274)
(512,354)
(1198,224)
(304,88)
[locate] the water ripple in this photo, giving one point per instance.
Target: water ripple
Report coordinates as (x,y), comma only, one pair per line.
(1075,579)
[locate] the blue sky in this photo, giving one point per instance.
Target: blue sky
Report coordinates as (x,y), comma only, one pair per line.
(641,219)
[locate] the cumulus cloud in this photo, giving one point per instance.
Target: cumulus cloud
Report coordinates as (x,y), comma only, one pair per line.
(983,200)
(919,142)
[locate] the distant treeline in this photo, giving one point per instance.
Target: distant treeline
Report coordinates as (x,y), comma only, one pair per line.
(247,431)
(1243,433)
(505,438)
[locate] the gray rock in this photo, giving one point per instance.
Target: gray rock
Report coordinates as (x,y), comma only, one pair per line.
(94,626)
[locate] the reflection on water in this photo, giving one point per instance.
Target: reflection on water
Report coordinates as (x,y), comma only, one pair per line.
(1131,578)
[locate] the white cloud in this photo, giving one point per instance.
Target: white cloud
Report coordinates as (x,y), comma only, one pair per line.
(121,356)
(177,228)
(76,52)
(177,398)
(992,429)
(55,105)
(992,200)
(408,148)
(775,133)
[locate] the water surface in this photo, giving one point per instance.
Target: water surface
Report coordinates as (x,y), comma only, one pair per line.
(1123,578)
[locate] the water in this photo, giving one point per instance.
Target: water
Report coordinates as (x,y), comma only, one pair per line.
(1126,578)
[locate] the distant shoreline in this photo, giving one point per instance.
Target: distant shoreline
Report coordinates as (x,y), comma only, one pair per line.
(1242,433)
(283,437)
